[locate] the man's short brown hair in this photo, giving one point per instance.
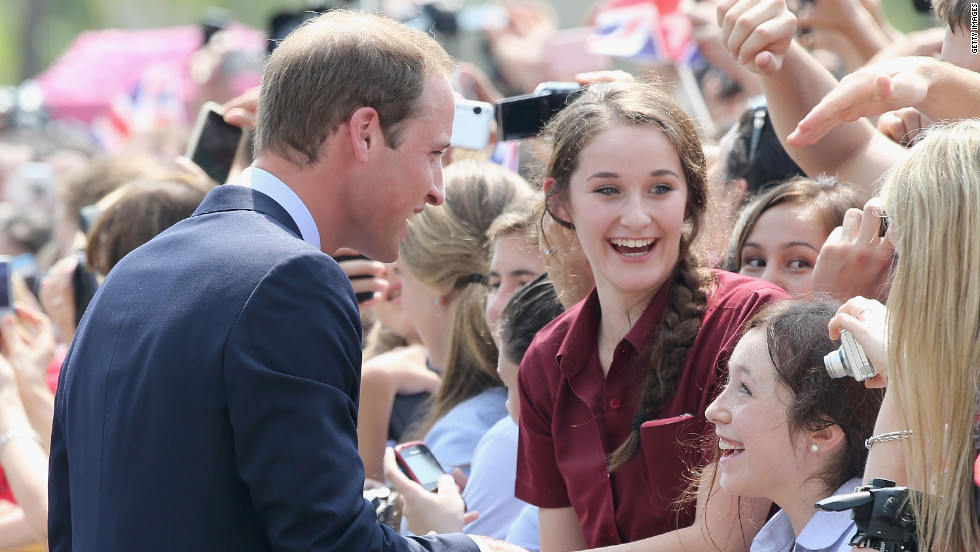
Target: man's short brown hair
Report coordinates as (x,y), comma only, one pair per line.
(335,64)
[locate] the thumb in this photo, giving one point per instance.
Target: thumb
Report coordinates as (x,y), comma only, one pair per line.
(460,478)
(446,485)
(470,517)
(9,332)
(768,63)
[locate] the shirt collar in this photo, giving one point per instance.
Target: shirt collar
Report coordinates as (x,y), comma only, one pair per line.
(267,183)
(825,528)
(823,531)
(579,342)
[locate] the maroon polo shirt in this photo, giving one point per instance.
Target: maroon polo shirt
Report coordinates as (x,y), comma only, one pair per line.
(572,417)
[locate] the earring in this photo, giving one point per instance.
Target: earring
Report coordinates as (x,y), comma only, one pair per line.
(814,448)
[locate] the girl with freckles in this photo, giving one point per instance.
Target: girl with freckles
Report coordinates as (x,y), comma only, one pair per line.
(789,433)
(612,391)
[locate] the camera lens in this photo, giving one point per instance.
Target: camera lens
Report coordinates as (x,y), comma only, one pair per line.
(477,110)
(834,364)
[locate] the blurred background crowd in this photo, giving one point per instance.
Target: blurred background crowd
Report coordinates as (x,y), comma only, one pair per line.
(97,102)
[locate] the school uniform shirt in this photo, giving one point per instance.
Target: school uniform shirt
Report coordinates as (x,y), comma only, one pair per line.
(572,417)
(453,438)
(490,488)
(825,532)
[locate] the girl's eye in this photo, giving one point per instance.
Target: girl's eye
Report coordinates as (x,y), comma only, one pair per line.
(661,189)
(800,264)
(605,190)
(745,390)
(754,262)
(494,284)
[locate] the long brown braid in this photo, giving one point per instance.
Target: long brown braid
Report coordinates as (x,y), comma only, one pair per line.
(667,348)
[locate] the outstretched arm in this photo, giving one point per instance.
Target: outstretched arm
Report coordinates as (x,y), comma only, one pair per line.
(938,90)
(21,455)
(723,522)
(760,34)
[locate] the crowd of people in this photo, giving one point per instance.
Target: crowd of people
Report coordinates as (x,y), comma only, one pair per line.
(611,335)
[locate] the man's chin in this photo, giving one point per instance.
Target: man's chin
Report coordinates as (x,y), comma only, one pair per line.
(386,254)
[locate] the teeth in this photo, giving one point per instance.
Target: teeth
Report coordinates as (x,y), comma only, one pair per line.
(621,242)
(394,295)
(728,446)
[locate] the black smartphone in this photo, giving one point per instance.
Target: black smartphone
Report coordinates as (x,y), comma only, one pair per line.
(418,463)
(214,143)
(6,286)
(526,115)
(84,283)
(364,295)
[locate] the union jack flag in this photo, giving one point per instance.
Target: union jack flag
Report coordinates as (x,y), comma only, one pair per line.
(643,30)
(152,104)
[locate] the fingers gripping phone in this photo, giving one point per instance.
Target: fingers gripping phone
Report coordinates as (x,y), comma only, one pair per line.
(214,143)
(418,463)
(364,295)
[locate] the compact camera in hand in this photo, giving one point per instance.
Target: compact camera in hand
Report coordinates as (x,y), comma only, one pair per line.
(883,515)
(526,115)
(387,506)
(849,360)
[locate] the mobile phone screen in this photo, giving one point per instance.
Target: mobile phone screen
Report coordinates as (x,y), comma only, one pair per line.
(423,465)
(6,298)
(216,145)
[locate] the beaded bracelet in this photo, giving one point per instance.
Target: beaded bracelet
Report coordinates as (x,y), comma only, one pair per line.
(889,436)
(18,434)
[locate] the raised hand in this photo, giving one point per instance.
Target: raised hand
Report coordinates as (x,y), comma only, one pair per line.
(757,32)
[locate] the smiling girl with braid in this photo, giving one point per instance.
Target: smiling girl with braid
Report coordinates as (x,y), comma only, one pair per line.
(614,390)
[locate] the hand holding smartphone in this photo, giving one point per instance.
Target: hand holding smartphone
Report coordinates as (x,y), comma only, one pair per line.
(364,295)
(419,464)
(214,143)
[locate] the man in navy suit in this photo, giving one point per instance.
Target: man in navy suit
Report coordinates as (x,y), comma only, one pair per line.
(209,399)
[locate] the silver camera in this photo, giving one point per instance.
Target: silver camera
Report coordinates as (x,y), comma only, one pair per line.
(849,360)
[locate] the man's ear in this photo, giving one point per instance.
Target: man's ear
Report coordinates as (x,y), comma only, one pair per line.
(364,132)
(556,205)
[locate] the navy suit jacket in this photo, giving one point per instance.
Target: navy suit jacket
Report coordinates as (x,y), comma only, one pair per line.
(209,399)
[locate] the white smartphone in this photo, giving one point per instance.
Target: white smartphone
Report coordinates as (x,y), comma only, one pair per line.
(214,144)
(471,125)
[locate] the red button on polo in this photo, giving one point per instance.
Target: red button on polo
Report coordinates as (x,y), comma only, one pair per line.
(614,403)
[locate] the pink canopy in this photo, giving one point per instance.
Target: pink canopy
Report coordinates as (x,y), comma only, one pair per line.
(100,66)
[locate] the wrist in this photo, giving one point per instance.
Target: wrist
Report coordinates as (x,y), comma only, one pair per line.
(24,432)
(886,437)
(32,384)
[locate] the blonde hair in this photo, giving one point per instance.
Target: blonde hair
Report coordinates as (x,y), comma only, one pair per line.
(447,248)
(934,326)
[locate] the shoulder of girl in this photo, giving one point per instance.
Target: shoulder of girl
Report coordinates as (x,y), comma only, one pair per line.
(737,290)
